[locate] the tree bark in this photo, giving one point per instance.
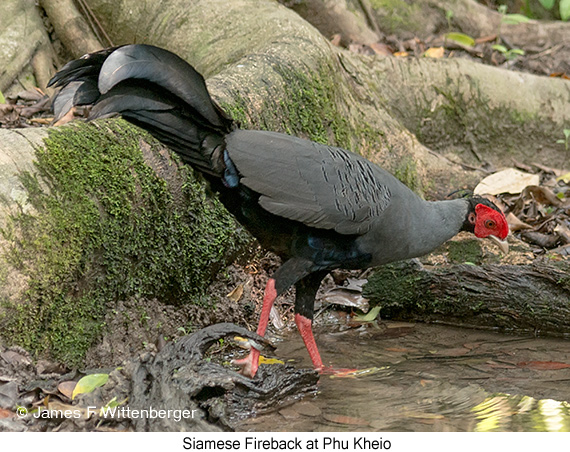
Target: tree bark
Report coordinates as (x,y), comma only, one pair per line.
(22,33)
(517,298)
(71,27)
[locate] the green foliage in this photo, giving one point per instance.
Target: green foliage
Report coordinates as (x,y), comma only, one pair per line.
(565,10)
(514,19)
(509,54)
(547,4)
(566,140)
(89,383)
(105,227)
(461,38)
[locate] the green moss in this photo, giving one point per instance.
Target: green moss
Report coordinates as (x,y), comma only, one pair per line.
(311,107)
(105,227)
(465,119)
(465,251)
(394,286)
(407,172)
(396,16)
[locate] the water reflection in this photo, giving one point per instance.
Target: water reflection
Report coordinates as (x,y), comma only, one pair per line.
(429,378)
(502,412)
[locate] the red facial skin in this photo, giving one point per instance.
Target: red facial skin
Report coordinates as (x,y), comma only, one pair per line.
(490,222)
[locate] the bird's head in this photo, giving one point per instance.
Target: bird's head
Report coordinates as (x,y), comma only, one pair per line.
(486,220)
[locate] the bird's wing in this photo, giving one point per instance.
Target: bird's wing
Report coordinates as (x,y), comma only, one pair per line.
(321,186)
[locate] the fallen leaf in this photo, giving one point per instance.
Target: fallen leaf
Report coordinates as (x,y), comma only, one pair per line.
(460,38)
(565,178)
(5,413)
(89,383)
(236,294)
(538,238)
(434,52)
(544,365)
(276,320)
(370,317)
(400,54)
(381,49)
(264,360)
(66,388)
(542,195)
(560,74)
(515,224)
(335,40)
(344,297)
(509,180)
(65,409)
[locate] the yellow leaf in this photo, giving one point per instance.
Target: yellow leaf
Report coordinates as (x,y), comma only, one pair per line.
(264,360)
(401,54)
(434,52)
(89,383)
(564,177)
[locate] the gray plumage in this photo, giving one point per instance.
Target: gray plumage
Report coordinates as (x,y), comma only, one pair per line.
(321,186)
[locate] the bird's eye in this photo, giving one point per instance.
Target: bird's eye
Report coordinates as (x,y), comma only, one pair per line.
(490,224)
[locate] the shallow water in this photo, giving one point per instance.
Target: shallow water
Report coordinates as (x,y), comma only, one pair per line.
(428,378)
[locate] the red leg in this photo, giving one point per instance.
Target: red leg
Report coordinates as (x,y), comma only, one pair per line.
(250,363)
(305,327)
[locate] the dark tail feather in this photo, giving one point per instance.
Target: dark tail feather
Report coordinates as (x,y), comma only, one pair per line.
(152,88)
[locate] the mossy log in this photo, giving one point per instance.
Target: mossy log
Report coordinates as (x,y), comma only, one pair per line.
(518,298)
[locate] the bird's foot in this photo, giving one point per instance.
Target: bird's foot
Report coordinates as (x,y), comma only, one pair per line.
(249,364)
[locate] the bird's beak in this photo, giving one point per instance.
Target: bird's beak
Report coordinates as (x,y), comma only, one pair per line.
(500,243)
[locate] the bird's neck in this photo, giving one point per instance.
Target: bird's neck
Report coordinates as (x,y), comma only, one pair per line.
(438,222)
(422,226)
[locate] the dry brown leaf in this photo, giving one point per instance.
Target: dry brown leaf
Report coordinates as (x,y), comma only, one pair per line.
(66,388)
(542,195)
(381,49)
(65,409)
(515,224)
(509,180)
(335,40)
(6,413)
(236,294)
